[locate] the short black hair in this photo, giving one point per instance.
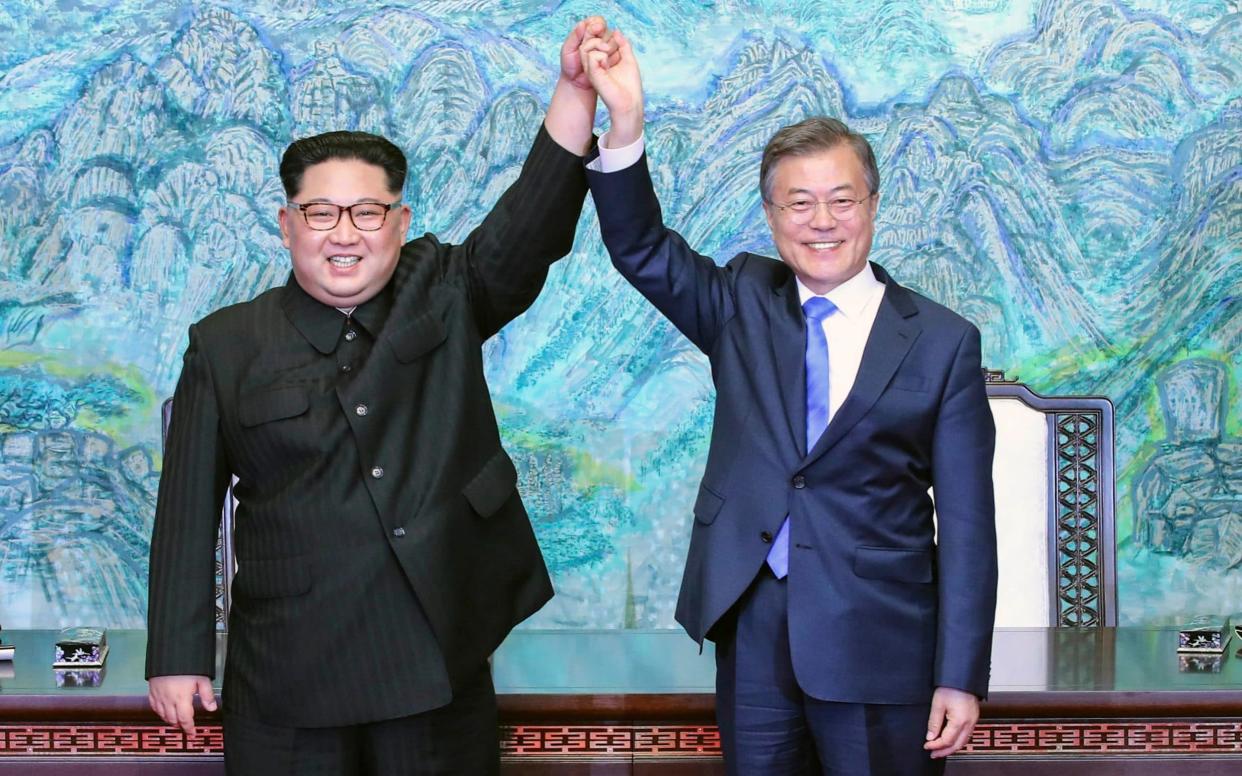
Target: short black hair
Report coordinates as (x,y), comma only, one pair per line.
(342,144)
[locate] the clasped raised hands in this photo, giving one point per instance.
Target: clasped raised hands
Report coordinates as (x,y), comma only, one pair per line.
(590,28)
(571,113)
(612,70)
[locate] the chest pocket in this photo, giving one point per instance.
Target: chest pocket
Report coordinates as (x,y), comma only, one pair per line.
(417,338)
(913,383)
(278,435)
(259,408)
(707,505)
(488,490)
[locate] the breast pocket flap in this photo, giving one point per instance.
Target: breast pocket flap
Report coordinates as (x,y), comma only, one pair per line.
(417,338)
(911,383)
(272,405)
(488,490)
(707,505)
(895,563)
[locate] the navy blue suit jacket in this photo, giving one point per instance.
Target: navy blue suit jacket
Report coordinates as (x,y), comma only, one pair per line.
(880,610)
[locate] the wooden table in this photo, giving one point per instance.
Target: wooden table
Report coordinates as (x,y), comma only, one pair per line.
(1100,701)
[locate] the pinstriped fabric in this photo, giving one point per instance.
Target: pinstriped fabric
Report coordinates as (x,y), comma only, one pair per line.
(461,738)
(501,287)
(252,747)
(189,504)
(382,549)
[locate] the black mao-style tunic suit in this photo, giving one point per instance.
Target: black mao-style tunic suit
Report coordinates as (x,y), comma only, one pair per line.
(383,550)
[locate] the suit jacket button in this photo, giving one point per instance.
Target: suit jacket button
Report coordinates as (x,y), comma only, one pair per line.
(361,410)
(377,472)
(398,532)
(766,536)
(799,482)
(351,335)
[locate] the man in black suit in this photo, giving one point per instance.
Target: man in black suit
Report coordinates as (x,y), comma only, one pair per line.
(851,636)
(383,550)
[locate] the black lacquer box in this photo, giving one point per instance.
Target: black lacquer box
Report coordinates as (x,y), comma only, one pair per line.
(81,648)
(1204,634)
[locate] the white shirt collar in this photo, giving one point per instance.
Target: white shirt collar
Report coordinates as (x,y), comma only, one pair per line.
(852,296)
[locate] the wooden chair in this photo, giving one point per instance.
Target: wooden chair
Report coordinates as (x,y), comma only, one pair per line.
(1054,479)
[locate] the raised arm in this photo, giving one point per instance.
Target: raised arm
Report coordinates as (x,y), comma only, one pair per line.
(505,260)
(687,287)
(571,113)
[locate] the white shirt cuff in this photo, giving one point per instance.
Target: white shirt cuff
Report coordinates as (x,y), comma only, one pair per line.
(616,159)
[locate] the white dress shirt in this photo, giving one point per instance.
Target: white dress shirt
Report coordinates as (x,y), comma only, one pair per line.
(857,301)
(617,159)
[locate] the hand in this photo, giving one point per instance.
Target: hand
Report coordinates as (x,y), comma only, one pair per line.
(618,84)
(952,720)
(571,63)
(571,113)
(172,697)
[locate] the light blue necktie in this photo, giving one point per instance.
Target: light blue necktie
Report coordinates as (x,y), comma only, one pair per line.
(817,308)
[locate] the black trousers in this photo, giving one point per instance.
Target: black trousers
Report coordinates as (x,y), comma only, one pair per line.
(461,738)
(769,727)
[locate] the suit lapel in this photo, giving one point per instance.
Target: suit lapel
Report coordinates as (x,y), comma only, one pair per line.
(788,331)
(892,335)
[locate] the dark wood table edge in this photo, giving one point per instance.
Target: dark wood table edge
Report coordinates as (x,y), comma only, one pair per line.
(1104,704)
(1000,706)
(689,708)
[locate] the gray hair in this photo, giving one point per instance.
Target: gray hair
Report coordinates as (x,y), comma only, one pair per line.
(810,136)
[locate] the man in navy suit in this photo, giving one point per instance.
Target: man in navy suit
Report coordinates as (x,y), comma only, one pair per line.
(853,631)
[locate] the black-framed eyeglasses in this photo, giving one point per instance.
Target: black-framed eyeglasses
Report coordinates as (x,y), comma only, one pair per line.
(801,211)
(324,216)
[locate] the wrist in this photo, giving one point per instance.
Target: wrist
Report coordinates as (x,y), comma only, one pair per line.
(571,116)
(625,127)
(564,81)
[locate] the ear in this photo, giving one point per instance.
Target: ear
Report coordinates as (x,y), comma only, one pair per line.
(769,212)
(407,216)
(283,215)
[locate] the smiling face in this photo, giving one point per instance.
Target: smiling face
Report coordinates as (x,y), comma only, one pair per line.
(826,251)
(344,266)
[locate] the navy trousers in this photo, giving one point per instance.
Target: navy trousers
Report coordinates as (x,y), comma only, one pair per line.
(460,739)
(769,727)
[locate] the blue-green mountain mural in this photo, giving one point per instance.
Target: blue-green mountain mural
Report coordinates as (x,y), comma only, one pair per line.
(1066,173)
